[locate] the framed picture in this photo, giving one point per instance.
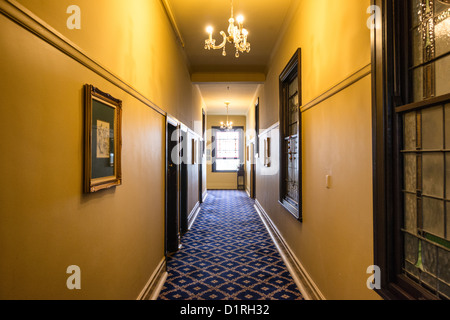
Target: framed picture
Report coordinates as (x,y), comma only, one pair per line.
(103,140)
(267,152)
(194,151)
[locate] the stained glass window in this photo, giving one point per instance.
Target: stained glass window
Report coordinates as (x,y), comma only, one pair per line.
(426,150)
(430,44)
(290,136)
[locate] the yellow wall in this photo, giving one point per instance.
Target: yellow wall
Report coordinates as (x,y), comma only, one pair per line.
(335,43)
(221,180)
(115,236)
(335,241)
(135,41)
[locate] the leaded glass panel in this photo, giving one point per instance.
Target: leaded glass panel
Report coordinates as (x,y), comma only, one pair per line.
(429,257)
(410,165)
(418,84)
(426,188)
(422,103)
(416,4)
(409,125)
(442,75)
(447,178)
(443,257)
(430,47)
(411,249)
(447,212)
(417,52)
(432,174)
(433,216)
(433,128)
(410,212)
(291,143)
(442,35)
(293,107)
(292,170)
(441,6)
(447,126)
(290,137)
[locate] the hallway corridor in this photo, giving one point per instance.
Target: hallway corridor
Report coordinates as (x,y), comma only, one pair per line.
(228,255)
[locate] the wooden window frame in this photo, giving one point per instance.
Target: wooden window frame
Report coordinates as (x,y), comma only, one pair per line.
(290,72)
(390,94)
(239,129)
(257,127)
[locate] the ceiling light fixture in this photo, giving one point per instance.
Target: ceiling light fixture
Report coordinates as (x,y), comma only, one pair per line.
(236,34)
(228,125)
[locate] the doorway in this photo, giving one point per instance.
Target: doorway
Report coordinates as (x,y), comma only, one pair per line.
(254,153)
(252,171)
(172,218)
(202,154)
(184,173)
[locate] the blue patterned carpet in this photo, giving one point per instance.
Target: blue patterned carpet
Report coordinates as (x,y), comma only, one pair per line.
(228,255)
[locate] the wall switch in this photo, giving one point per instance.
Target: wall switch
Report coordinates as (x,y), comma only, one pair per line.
(328,181)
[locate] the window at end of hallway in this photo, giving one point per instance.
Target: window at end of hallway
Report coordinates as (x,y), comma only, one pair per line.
(228,150)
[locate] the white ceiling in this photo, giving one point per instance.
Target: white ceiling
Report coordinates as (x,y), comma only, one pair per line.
(264,19)
(240,96)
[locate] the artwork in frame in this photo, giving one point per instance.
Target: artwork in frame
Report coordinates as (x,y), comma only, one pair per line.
(267,152)
(194,149)
(103,140)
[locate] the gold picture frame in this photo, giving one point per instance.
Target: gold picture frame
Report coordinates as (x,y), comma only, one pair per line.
(194,149)
(103,140)
(267,152)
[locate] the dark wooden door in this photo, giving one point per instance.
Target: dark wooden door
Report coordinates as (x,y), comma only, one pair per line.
(172,190)
(184,167)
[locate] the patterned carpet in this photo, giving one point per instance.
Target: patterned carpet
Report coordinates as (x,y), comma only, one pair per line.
(228,255)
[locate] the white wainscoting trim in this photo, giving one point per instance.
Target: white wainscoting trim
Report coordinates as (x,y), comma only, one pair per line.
(155,283)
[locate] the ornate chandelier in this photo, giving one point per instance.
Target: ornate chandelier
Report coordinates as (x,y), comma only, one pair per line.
(236,34)
(228,125)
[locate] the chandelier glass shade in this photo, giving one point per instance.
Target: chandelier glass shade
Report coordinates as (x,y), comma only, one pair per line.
(228,125)
(237,35)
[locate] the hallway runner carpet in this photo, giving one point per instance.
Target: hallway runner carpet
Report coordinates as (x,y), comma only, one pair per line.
(228,255)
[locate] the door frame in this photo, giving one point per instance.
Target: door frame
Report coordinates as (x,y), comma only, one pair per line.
(184,178)
(172,237)
(201,156)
